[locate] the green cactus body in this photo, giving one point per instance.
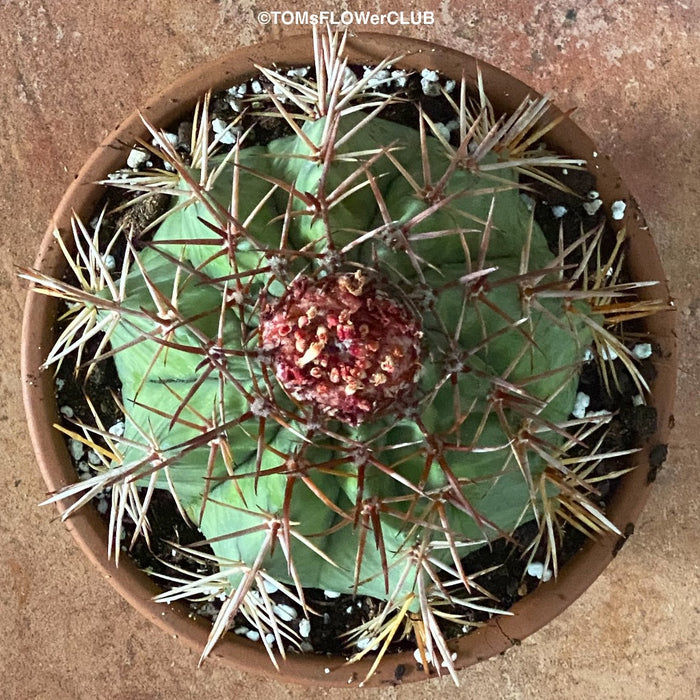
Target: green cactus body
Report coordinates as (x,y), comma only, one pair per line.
(439,469)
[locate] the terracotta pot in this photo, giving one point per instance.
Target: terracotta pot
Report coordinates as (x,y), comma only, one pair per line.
(90,531)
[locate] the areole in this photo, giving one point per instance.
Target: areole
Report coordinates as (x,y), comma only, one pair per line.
(529,614)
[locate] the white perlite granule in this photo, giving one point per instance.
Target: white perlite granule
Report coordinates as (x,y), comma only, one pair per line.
(430,82)
(117,429)
(136,158)
(270,586)
(286,613)
(608,353)
(429,657)
(168,138)
(537,569)
(581,403)
(443,130)
(220,129)
(381,77)
(592,206)
(617,211)
(642,351)
(76,449)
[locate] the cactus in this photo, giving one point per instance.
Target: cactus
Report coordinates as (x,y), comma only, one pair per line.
(348,353)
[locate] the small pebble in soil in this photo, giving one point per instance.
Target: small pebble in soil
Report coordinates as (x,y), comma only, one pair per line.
(67,411)
(617,210)
(536,569)
(331,594)
(253,635)
(637,400)
(642,351)
(109,262)
(558,211)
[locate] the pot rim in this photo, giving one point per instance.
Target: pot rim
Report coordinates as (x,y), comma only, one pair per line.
(501,632)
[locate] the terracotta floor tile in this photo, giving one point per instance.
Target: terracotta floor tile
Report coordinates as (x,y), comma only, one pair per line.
(71,71)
